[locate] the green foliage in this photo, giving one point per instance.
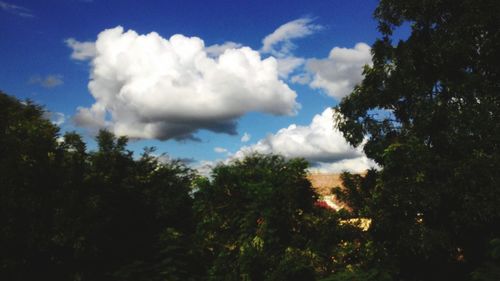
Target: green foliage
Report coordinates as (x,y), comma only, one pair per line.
(357,191)
(72,215)
(355,274)
(430,107)
(249,215)
(490,269)
(257,221)
(28,152)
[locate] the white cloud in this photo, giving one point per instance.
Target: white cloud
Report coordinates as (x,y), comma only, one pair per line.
(356,165)
(57,118)
(93,118)
(165,158)
(319,143)
(16,10)
(146,86)
(288,65)
(279,43)
(81,50)
(205,167)
(301,78)
(216,50)
(49,81)
(341,71)
(246,137)
(220,150)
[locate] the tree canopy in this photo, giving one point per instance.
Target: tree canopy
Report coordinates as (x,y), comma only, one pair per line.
(430,110)
(69,214)
(74,214)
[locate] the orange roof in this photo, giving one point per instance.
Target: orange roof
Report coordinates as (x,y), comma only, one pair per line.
(323,183)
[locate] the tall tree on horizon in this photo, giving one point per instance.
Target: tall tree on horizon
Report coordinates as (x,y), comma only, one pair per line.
(430,110)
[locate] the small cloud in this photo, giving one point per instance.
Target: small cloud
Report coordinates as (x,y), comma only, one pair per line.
(302,79)
(49,81)
(288,65)
(81,50)
(186,161)
(204,167)
(279,43)
(246,137)
(220,150)
(319,143)
(57,118)
(16,10)
(93,118)
(355,165)
(165,158)
(338,74)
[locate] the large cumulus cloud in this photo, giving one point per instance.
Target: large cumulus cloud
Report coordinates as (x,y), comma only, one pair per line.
(146,86)
(319,143)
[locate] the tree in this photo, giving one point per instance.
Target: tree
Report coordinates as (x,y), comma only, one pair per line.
(28,153)
(251,220)
(69,214)
(489,270)
(430,109)
(136,216)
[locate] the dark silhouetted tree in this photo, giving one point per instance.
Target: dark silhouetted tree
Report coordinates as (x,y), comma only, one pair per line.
(430,108)
(250,215)
(69,214)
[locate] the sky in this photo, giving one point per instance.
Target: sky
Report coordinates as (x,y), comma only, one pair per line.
(202,81)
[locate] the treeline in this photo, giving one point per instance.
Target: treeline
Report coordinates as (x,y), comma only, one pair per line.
(72,214)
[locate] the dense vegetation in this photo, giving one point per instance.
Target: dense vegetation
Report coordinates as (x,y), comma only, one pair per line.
(428,111)
(70,214)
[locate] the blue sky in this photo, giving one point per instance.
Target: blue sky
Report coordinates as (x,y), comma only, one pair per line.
(208,98)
